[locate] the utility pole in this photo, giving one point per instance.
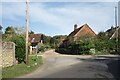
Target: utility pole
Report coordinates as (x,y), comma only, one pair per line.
(116,29)
(27,32)
(115,16)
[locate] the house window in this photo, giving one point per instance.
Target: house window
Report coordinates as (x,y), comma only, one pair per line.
(41,38)
(33,39)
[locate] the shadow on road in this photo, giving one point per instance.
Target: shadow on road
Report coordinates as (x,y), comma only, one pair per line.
(114,68)
(113,64)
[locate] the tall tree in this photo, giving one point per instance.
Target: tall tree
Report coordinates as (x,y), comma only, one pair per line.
(57,40)
(31,32)
(1,27)
(9,30)
(102,35)
(19,30)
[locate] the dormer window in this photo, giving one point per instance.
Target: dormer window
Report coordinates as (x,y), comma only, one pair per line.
(33,39)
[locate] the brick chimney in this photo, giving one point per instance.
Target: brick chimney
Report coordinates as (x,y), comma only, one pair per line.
(75,26)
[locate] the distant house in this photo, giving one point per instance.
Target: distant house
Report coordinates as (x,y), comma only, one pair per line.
(34,39)
(83,31)
(115,33)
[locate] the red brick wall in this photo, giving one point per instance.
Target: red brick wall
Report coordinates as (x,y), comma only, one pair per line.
(85,32)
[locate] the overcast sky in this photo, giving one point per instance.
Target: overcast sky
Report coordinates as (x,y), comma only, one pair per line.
(51,17)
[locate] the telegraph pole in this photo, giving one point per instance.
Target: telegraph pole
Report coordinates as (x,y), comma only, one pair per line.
(27,32)
(115,16)
(116,29)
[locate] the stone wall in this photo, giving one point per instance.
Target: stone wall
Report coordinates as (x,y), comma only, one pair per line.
(8,54)
(0,55)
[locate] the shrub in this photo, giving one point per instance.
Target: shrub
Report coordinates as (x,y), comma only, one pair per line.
(76,48)
(62,50)
(105,46)
(41,49)
(19,48)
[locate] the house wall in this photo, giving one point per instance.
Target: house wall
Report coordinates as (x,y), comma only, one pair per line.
(8,54)
(85,32)
(32,50)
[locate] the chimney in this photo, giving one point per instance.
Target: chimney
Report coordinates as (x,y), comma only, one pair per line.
(75,26)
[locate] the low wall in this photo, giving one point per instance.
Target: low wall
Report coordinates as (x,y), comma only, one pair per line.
(8,54)
(0,56)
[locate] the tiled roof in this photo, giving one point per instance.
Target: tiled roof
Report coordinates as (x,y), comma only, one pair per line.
(115,34)
(75,31)
(79,29)
(34,38)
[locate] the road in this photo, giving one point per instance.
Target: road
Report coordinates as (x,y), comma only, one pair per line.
(76,66)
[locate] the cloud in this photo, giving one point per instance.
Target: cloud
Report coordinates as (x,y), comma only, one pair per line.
(12,0)
(13,11)
(0,13)
(65,17)
(58,18)
(61,0)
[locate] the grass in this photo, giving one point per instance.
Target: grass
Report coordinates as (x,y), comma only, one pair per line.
(21,69)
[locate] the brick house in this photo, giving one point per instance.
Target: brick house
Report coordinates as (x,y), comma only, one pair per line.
(115,33)
(34,39)
(83,31)
(116,36)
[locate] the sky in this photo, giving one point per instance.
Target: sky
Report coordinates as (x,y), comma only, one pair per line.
(119,13)
(53,17)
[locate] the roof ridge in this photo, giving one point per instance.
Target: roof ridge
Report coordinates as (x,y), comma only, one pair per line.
(73,33)
(90,29)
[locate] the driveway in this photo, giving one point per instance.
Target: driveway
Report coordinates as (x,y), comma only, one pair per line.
(76,66)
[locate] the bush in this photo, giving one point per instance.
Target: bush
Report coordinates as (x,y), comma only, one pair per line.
(62,50)
(76,48)
(19,48)
(41,49)
(95,45)
(105,46)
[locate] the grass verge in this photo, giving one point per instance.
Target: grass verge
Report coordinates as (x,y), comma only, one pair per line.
(21,69)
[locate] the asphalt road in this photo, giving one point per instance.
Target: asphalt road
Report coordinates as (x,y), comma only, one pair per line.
(77,66)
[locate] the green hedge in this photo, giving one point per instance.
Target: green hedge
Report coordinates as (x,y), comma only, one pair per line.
(19,48)
(76,48)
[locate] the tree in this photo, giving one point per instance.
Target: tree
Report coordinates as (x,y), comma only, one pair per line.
(1,27)
(57,40)
(52,42)
(105,45)
(102,35)
(9,33)
(9,30)
(46,39)
(19,48)
(19,30)
(78,46)
(31,32)
(0,30)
